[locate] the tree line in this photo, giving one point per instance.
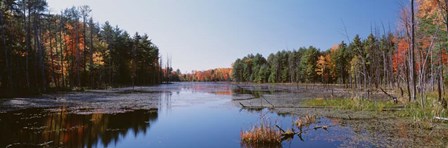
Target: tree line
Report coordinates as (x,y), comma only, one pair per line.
(413,58)
(216,74)
(42,51)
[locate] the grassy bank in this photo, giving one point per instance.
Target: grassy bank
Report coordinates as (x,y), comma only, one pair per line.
(431,108)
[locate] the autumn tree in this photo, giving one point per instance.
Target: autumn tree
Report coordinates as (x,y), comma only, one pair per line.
(42,51)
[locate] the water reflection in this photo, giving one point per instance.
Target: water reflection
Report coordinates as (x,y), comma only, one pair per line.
(216,88)
(165,102)
(42,127)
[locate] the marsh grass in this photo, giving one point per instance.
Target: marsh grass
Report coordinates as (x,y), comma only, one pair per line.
(356,104)
(307,120)
(424,113)
(261,135)
(427,112)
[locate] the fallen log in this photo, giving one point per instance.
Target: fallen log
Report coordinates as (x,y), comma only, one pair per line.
(243,99)
(323,127)
(287,134)
(441,118)
(242,104)
(393,97)
(283,131)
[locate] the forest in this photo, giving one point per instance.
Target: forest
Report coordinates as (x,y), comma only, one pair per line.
(412,59)
(41,51)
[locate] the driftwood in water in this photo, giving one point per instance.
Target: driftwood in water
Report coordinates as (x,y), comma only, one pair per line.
(287,134)
(283,131)
(323,127)
(242,104)
(251,108)
(290,133)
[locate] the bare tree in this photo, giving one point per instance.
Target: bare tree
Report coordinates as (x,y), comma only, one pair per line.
(412,57)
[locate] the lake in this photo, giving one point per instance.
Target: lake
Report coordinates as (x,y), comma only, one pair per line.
(185,115)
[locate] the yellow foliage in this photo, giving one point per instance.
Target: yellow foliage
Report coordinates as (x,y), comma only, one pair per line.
(321,65)
(98,59)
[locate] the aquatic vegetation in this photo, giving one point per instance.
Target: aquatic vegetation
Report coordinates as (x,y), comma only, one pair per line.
(264,134)
(307,120)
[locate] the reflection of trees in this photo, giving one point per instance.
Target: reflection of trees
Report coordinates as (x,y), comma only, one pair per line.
(165,101)
(36,127)
(214,88)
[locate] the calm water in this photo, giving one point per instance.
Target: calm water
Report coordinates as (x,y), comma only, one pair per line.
(188,115)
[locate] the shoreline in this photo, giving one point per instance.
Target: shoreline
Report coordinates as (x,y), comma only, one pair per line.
(386,127)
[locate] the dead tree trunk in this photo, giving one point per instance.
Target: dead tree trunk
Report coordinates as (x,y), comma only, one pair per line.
(412,66)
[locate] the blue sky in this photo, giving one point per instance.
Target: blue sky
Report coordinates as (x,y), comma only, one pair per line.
(204,34)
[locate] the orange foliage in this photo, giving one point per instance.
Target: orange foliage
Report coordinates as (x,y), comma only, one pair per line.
(400,56)
(74,42)
(431,8)
(71,38)
(427,7)
(325,67)
(334,48)
(444,57)
(218,74)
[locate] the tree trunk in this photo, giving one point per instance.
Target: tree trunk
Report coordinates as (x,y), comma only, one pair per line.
(432,70)
(92,80)
(391,71)
(364,67)
(412,66)
(6,49)
(28,46)
(385,74)
(440,77)
(78,53)
(61,30)
(408,82)
(110,62)
(51,51)
(40,53)
(42,57)
(440,83)
(84,50)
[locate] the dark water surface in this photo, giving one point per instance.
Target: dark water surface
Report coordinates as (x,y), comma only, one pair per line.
(188,115)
